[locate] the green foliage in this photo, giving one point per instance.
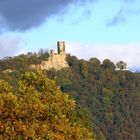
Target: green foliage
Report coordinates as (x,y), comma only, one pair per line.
(111,98)
(108,64)
(22,62)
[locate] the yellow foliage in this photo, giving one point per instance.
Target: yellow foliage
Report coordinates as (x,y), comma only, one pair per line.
(38,110)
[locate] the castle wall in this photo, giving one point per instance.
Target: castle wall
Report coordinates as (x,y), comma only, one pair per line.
(56,61)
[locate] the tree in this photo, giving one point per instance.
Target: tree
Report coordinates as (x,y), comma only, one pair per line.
(108,64)
(121,65)
(84,68)
(96,62)
(39,110)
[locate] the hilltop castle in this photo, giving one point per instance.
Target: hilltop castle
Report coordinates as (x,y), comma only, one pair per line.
(56,60)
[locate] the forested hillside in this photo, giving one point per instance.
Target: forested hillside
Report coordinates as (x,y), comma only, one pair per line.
(110,98)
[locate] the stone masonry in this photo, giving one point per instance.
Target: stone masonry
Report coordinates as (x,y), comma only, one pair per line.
(56,61)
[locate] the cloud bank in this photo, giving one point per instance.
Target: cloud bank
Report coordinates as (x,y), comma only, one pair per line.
(25,14)
(128,53)
(10,46)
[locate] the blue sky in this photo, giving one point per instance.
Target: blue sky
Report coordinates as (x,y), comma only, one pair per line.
(90,28)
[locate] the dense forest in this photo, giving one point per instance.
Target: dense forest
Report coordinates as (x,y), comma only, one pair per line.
(106,99)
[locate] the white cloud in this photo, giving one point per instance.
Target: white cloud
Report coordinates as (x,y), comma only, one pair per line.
(10,46)
(129,53)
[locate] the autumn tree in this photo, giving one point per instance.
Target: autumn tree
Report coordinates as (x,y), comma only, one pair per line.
(39,110)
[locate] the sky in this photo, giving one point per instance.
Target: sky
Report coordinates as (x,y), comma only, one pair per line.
(105,29)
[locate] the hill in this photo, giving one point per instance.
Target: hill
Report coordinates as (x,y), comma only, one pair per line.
(110,98)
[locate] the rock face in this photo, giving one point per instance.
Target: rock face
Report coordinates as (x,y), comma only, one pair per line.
(56,61)
(8,71)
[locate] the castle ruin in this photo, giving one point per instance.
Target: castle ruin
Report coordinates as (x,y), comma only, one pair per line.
(56,60)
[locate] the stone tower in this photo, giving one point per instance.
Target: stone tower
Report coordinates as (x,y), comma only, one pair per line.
(61,47)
